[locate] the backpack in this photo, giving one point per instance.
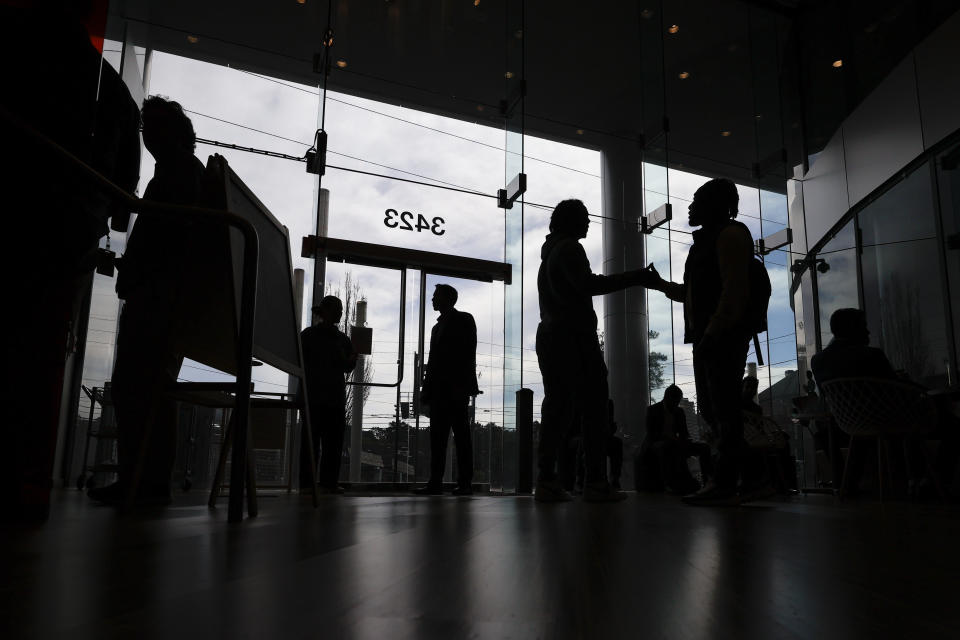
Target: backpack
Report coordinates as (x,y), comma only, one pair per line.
(760,291)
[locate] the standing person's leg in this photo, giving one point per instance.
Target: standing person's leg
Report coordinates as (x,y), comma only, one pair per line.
(331,434)
(463,441)
(558,408)
(719,375)
(140,370)
(595,406)
(724,376)
(441,419)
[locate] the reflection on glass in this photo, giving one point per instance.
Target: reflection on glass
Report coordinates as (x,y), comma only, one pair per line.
(902,283)
(948,178)
(837,278)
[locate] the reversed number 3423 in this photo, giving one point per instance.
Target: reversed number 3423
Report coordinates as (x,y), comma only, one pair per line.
(405,222)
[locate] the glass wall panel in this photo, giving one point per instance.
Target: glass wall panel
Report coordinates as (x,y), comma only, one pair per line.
(660,334)
(948,179)
(903,290)
(837,278)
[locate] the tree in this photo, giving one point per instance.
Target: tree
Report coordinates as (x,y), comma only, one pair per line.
(657,361)
(349,292)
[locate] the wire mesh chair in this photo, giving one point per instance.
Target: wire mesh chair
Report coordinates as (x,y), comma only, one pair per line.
(878,408)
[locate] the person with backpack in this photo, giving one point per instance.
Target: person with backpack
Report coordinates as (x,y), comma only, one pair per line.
(725,292)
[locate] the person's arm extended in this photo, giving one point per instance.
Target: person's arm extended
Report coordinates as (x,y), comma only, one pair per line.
(734,253)
(576,270)
(676,291)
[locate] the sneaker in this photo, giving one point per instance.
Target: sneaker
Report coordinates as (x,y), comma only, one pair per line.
(602,492)
(428,490)
(713,495)
(550,491)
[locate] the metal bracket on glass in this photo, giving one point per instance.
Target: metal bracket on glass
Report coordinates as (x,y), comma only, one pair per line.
(771,243)
(657,218)
(316,155)
(516,188)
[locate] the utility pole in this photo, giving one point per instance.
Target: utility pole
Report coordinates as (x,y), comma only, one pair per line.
(356,422)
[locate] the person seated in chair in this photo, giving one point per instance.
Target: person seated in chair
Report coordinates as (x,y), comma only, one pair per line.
(849,355)
(668,444)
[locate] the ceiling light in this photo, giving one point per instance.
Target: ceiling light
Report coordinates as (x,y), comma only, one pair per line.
(301,1)
(684,75)
(508,75)
(476,3)
(646,14)
(673,28)
(837,64)
(479,107)
(193,39)
(725,134)
(342,64)
(579,132)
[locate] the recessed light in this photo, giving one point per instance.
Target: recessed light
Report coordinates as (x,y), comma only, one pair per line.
(579,132)
(508,75)
(193,39)
(479,107)
(342,64)
(837,64)
(673,28)
(301,1)
(476,3)
(725,134)
(646,14)
(684,75)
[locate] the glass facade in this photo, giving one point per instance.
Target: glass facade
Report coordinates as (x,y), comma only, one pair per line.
(894,256)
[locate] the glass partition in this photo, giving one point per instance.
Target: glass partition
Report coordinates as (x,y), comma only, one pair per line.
(836,267)
(902,281)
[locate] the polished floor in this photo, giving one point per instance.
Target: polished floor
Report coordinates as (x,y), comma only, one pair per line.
(398,567)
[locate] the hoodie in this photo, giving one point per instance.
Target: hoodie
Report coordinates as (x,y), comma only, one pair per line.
(566,285)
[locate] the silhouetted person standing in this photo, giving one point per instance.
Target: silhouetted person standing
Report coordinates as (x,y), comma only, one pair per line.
(668,444)
(450,381)
(44,196)
(569,355)
(715,293)
(149,281)
(328,355)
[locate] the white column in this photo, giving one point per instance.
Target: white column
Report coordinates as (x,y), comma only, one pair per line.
(625,312)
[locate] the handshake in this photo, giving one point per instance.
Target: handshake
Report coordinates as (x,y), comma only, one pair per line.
(647,277)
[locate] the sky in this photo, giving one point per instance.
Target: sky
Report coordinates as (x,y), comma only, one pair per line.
(234,106)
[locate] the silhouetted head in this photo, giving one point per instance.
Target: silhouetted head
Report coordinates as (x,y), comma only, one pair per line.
(750,386)
(570,218)
(672,396)
(167,131)
(444,298)
(850,325)
(330,310)
(714,202)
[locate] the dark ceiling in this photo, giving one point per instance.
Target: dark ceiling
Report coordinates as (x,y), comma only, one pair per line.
(757,74)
